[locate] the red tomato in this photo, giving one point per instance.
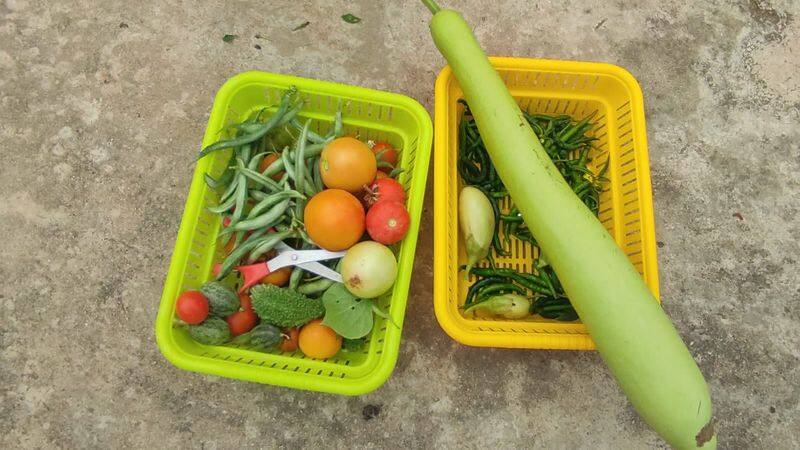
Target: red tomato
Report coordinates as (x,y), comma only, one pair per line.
(192,307)
(385,189)
(289,343)
(389,155)
(241,322)
(387,222)
(245,302)
(215,269)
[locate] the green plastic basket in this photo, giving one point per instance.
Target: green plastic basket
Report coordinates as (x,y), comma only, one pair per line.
(368,113)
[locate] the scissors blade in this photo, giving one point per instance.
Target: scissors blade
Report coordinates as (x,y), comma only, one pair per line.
(297,257)
(322,270)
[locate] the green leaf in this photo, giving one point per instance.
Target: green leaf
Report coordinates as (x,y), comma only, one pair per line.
(301,26)
(349,18)
(228,38)
(380,312)
(350,317)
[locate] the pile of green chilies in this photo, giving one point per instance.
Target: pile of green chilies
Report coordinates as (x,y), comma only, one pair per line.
(568,145)
(251,202)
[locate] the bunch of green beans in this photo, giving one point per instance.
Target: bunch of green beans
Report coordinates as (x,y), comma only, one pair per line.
(251,202)
(568,144)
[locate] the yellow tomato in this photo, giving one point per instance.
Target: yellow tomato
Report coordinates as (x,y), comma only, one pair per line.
(347,163)
(318,341)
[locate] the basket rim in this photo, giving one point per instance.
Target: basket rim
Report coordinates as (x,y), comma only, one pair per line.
(373,376)
(453,326)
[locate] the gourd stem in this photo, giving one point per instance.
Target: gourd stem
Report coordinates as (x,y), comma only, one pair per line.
(432,6)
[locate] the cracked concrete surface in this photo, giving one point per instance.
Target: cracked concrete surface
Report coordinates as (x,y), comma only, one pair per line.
(102,109)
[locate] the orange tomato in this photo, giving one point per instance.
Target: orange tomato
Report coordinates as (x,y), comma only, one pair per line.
(267,161)
(318,341)
(347,163)
(334,219)
(279,278)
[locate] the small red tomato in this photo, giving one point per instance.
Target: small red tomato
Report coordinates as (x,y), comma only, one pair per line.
(215,269)
(387,222)
(192,307)
(245,302)
(243,320)
(226,221)
(290,340)
(389,155)
(384,189)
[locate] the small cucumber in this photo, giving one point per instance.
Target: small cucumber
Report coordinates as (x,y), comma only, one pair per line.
(213,331)
(222,300)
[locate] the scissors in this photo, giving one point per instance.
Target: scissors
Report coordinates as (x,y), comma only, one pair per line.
(287,256)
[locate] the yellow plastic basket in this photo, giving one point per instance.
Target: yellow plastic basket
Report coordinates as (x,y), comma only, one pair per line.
(626,209)
(367,113)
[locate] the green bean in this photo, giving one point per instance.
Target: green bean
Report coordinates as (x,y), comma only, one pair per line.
(318,176)
(315,287)
(258,195)
(223,180)
(294,278)
(243,152)
(256,133)
(299,168)
(310,135)
(272,200)
(259,178)
(255,160)
(269,244)
(239,252)
(287,164)
(229,191)
(309,174)
(277,165)
(224,206)
(306,238)
(240,199)
(265,220)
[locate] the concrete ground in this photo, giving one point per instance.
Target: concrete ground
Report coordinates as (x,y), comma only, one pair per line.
(102,109)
